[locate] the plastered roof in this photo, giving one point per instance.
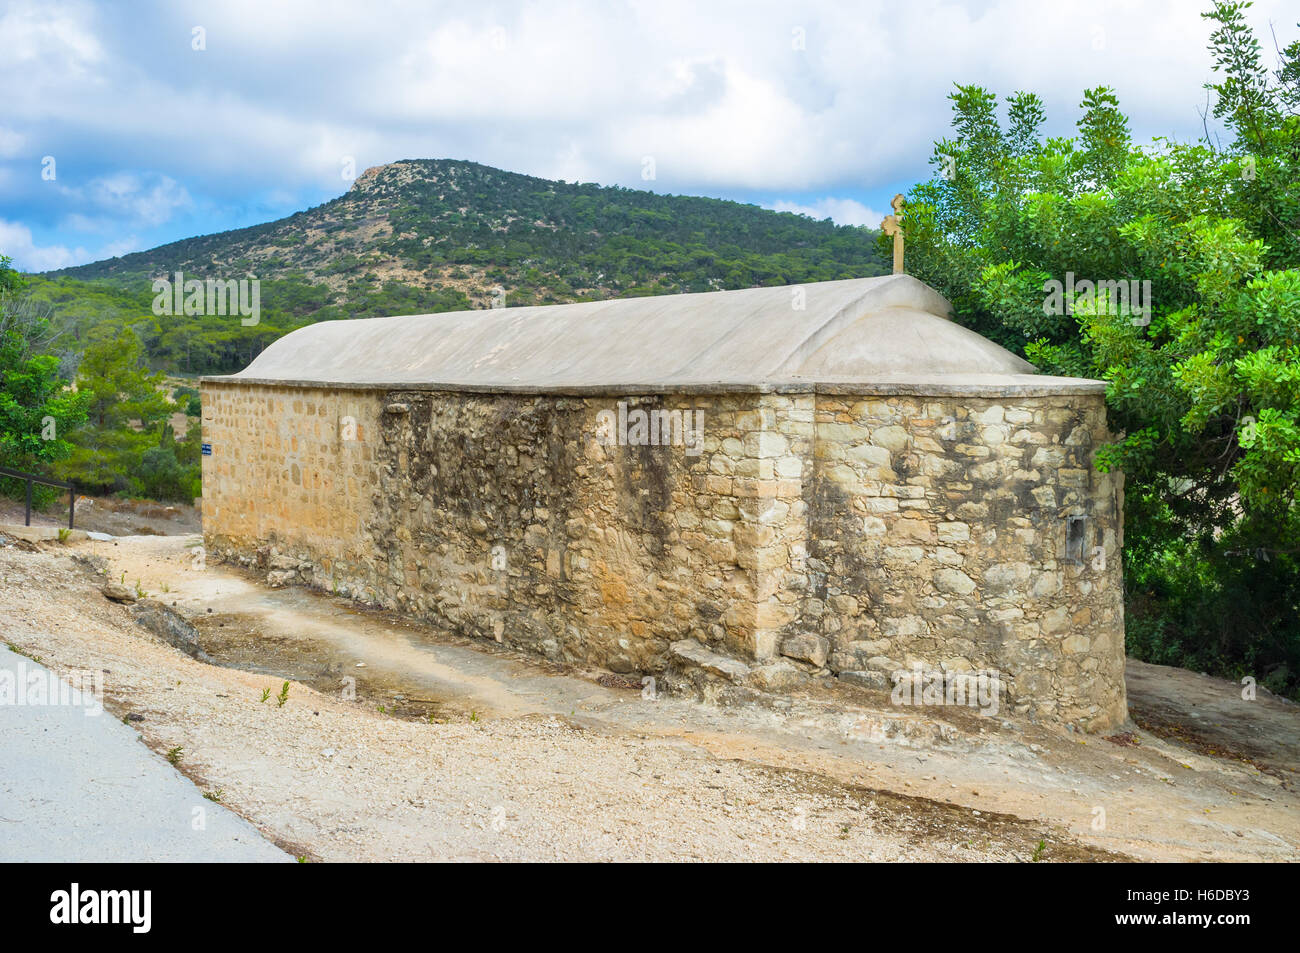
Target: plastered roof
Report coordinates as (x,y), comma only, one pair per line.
(886,334)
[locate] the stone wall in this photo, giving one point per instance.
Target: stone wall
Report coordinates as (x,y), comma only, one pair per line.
(506,517)
(938,530)
(803,537)
(292,463)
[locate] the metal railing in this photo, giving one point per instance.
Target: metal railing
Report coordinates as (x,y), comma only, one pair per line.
(46,481)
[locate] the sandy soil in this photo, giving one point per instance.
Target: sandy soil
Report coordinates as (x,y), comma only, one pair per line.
(459,750)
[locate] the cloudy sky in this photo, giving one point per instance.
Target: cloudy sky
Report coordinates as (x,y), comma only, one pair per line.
(126,125)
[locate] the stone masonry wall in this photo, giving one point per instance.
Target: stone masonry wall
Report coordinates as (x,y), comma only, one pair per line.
(939,538)
(505,517)
(293,464)
(810,536)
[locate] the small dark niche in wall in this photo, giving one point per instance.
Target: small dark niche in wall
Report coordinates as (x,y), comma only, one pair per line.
(1076,537)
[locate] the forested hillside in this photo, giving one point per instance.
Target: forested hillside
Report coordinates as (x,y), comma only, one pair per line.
(439,235)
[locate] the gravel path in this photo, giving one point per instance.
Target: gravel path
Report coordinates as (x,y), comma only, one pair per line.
(332,779)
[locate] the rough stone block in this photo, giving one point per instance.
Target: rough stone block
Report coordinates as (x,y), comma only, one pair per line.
(806,647)
(876,681)
(691,653)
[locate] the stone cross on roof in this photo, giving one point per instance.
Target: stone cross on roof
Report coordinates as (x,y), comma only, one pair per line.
(893,225)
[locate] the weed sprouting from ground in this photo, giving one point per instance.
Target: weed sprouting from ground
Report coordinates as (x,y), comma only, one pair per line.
(23,652)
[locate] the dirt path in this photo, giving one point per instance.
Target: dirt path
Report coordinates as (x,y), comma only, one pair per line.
(479,753)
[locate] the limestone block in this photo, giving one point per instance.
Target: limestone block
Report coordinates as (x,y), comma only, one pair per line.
(953,581)
(777,675)
(691,653)
(875,681)
(806,647)
(892,437)
(954,532)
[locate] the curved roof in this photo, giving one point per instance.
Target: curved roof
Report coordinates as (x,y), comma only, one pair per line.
(891,330)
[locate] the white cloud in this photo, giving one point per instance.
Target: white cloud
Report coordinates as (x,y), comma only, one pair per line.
(283,91)
(840,211)
(148,203)
(11,143)
(720,95)
(109,202)
(49,38)
(16,242)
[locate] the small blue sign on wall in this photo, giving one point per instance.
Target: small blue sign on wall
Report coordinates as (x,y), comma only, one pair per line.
(207,449)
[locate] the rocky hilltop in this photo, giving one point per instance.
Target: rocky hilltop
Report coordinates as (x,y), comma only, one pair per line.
(450,225)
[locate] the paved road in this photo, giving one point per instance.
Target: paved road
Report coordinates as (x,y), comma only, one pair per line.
(82,787)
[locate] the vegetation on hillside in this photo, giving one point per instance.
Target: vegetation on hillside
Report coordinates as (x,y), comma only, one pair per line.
(1205,386)
(424,236)
(108,429)
(37,411)
(127,443)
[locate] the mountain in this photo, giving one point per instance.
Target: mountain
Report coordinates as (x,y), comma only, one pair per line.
(434,235)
